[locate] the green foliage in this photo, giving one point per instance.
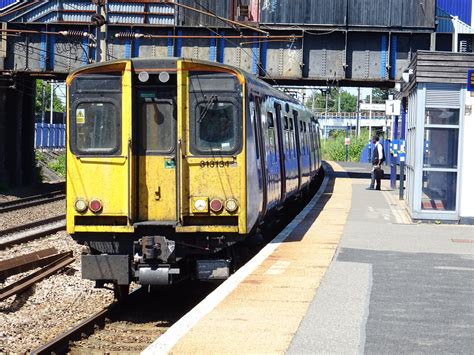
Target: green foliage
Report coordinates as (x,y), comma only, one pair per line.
(378,96)
(348,101)
(334,147)
(43,91)
(59,165)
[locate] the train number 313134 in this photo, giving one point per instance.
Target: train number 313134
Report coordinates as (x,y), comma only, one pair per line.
(214,164)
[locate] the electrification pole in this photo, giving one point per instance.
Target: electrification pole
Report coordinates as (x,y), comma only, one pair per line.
(99,20)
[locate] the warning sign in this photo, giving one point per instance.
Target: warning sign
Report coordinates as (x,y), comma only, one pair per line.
(80,116)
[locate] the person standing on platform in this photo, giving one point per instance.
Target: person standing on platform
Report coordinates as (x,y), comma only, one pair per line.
(378,157)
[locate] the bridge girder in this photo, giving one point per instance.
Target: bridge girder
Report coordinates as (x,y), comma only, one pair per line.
(340,56)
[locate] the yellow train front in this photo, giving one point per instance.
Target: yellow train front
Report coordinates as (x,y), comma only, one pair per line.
(172,161)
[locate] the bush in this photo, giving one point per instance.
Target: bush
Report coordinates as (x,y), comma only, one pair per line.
(59,165)
(334,147)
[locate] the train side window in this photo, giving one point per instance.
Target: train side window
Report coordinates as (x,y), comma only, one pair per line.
(253,118)
(286,122)
(291,124)
(271,135)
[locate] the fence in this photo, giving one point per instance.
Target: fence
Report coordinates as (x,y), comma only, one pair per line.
(50,135)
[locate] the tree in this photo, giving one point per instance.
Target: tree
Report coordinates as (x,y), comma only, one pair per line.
(378,96)
(45,96)
(348,101)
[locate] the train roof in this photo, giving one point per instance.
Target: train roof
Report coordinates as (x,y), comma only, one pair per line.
(171,62)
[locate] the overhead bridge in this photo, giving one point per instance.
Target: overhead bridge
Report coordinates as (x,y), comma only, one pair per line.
(315,42)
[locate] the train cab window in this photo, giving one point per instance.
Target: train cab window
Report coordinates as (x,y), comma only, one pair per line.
(216,127)
(96,128)
(95,114)
(215,113)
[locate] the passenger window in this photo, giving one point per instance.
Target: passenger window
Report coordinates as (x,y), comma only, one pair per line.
(271,136)
(286,122)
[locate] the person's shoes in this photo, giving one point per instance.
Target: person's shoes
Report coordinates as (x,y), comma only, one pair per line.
(378,188)
(370,188)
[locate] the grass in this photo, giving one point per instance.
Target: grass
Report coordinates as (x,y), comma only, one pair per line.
(334,147)
(58,165)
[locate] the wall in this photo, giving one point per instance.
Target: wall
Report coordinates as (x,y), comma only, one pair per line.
(467,166)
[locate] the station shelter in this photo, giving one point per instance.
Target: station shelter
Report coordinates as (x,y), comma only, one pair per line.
(438,121)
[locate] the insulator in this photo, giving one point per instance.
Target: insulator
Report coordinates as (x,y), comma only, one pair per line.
(125,35)
(73,33)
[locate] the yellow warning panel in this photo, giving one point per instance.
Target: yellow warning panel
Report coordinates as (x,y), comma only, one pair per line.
(80,116)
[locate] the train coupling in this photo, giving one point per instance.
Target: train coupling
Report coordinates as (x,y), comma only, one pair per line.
(154,248)
(153,256)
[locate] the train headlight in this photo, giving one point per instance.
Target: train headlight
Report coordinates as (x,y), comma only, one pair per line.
(216,205)
(95,205)
(200,204)
(231,205)
(80,205)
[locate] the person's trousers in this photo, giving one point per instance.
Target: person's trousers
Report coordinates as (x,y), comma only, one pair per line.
(374,180)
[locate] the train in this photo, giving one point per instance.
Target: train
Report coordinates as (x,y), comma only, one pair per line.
(172,162)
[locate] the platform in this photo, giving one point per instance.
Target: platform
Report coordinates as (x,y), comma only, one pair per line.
(351,274)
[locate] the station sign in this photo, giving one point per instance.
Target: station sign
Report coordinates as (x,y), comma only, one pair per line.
(470,80)
(392,107)
(372,107)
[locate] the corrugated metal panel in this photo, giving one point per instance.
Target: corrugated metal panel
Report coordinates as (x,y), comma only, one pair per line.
(445,24)
(317,12)
(222,8)
(369,12)
(442,95)
(419,13)
(460,8)
(5,3)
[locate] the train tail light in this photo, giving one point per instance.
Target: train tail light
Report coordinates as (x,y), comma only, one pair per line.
(231,205)
(216,205)
(80,205)
(95,205)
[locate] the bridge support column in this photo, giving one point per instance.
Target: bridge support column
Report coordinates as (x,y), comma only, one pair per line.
(17,158)
(3,137)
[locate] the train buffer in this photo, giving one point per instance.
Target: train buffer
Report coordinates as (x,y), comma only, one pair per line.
(351,274)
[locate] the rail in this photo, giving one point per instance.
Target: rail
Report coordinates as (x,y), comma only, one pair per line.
(32,201)
(43,228)
(53,263)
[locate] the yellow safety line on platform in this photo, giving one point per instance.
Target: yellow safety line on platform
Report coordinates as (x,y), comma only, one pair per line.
(263,313)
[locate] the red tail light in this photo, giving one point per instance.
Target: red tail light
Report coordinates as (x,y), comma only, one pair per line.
(95,205)
(216,205)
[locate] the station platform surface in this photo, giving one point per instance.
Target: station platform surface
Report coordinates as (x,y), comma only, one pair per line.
(351,274)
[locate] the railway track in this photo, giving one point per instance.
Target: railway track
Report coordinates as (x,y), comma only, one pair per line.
(129,325)
(49,261)
(32,201)
(31,231)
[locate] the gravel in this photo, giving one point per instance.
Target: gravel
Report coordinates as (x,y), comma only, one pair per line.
(52,306)
(31,214)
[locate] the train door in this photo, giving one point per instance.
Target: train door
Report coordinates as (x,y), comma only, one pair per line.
(156,113)
(298,147)
(281,149)
(256,120)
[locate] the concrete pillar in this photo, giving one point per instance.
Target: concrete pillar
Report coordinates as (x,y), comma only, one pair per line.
(3,135)
(17,158)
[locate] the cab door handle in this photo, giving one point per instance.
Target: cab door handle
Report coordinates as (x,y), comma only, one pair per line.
(158,193)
